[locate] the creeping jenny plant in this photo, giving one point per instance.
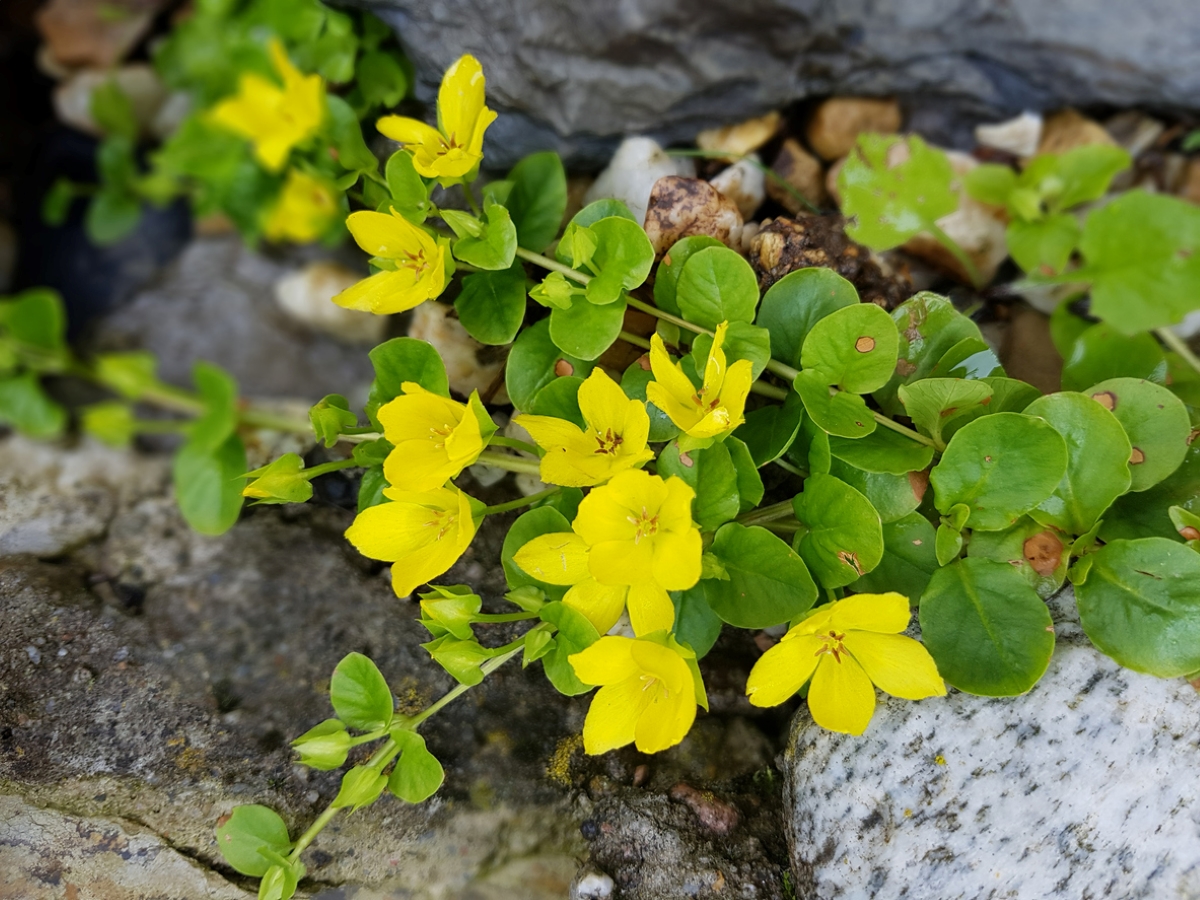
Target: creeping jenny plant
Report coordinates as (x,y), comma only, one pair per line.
(907,470)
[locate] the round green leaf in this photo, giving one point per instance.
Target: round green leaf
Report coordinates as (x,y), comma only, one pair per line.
(28,408)
(560,400)
(1097,461)
(987,629)
(417,774)
(749,482)
(248,830)
(695,622)
(1040,554)
(711,474)
(1139,602)
(883,451)
(491,305)
(586,330)
(969,358)
(854,348)
(360,694)
(405,359)
(742,341)
(844,536)
(932,403)
(1101,352)
(908,562)
(1001,467)
(840,413)
(1008,395)
(1145,514)
(795,303)
(600,209)
(534,362)
(893,496)
(666,279)
(769,430)
(538,199)
(208,484)
(717,285)
(1155,420)
(768,583)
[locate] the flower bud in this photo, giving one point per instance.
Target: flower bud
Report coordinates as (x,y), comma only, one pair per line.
(325,746)
(282,481)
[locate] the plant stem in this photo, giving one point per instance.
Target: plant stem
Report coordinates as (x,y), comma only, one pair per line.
(510,463)
(324,468)
(514,444)
(553,265)
(521,501)
(313,830)
(487,669)
(957,252)
(636,339)
(261,418)
(666,316)
(471,199)
(1179,345)
(503,617)
(788,467)
(907,432)
(768,390)
(781,510)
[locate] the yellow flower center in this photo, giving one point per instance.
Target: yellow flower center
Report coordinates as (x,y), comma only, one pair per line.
(415,261)
(443,520)
(832,645)
(608,442)
(444,432)
(645,525)
(648,683)
(707,405)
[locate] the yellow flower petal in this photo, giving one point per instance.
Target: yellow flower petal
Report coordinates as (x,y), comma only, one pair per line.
(418,466)
(896,664)
(622,562)
(612,718)
(613,512)
(549,432)
(841,697)
(886,613)
(560,558)
(417,413)
(461,100)
(409,132)
(735,389)
(374,293)
(663,664)
(665,721)
(675,512)
(782,670)
(677,559)
(390,531)
(650,609)
(608,661)
(603,403)
(388,236)
(303,211)
(600,604)
(714,366)
(410,572)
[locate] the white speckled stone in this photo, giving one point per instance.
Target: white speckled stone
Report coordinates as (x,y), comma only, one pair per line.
(1087,787)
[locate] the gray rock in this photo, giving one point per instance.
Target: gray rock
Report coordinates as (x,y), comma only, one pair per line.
(1085,787)
(577,75)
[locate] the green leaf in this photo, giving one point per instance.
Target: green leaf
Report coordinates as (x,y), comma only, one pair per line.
(538,199)
(219,393)
(112,214)
(495,246)
(36,319)
(749,482)
(112,110)
(491,305)
(666,279)
(991,183)
(717,285)
(56,204)
(841,413)
(986,628)
(770,430)
(280,881)
(633,383)
(460,659)
(535,361)
(360,694)
(1040,554)
(1008,395)
(1085,174)
(560,399)
(324,747)
(844,537)
(934,402)
(883,451)
(768,583)
(695,622)
(1001,467)
(575,634)
(531,524)
(405,359)
(1156,422)
(345,133)
(795,303)
(622,259)
(586,330)
(969,358)
(711,474)
(894,188)
(1139,602)
(450,609)
(417,774)
(280,481)
(908,562)
(370,489)
(1101,352)
(929,326)
(947,544)
(1142,256)
(1146,514)
(742,341)
(329,417)
(1097,461)
(246,832)
(410,196)
(27,408)
(1066,328)
(111,422)
(380,78)
(361,786)
(1043,247)
(208,484)
(893,496)
(811,449)
(853,348)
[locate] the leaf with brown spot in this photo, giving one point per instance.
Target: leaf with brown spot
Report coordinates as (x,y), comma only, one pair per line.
(1043,552)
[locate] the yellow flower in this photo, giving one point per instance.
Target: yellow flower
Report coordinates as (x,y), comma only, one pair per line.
(562,558)
(274,118)
(455,147)
(615,439)
(648,695)
(435,438)
(420,272)
(303,212)
(713,409)
(848,648)
(422,534)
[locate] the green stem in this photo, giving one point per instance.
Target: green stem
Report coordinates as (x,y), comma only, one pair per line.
(312,831)
(261,418)
(471,200)
(376,177)
(161,426)
(521,501)
(487,669)
(1179,345)
(503,617)
(553,265)
(666,316)
(323,468)
(636,339)
(758,164)
(510,463)
(781,510)
(788,467)
(957,252)
(768,390)
(514,444)
(907,432)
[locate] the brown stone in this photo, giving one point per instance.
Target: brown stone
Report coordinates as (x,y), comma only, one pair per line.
(803,172)
(680,207)
(94,32)
(1067,129)
(1189,188)
(742,138)
(784,245)
(838,122)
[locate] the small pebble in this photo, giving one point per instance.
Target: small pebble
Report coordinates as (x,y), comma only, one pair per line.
(594,886)
(34,654)
(1019,136)
(638,163)
(742,138)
